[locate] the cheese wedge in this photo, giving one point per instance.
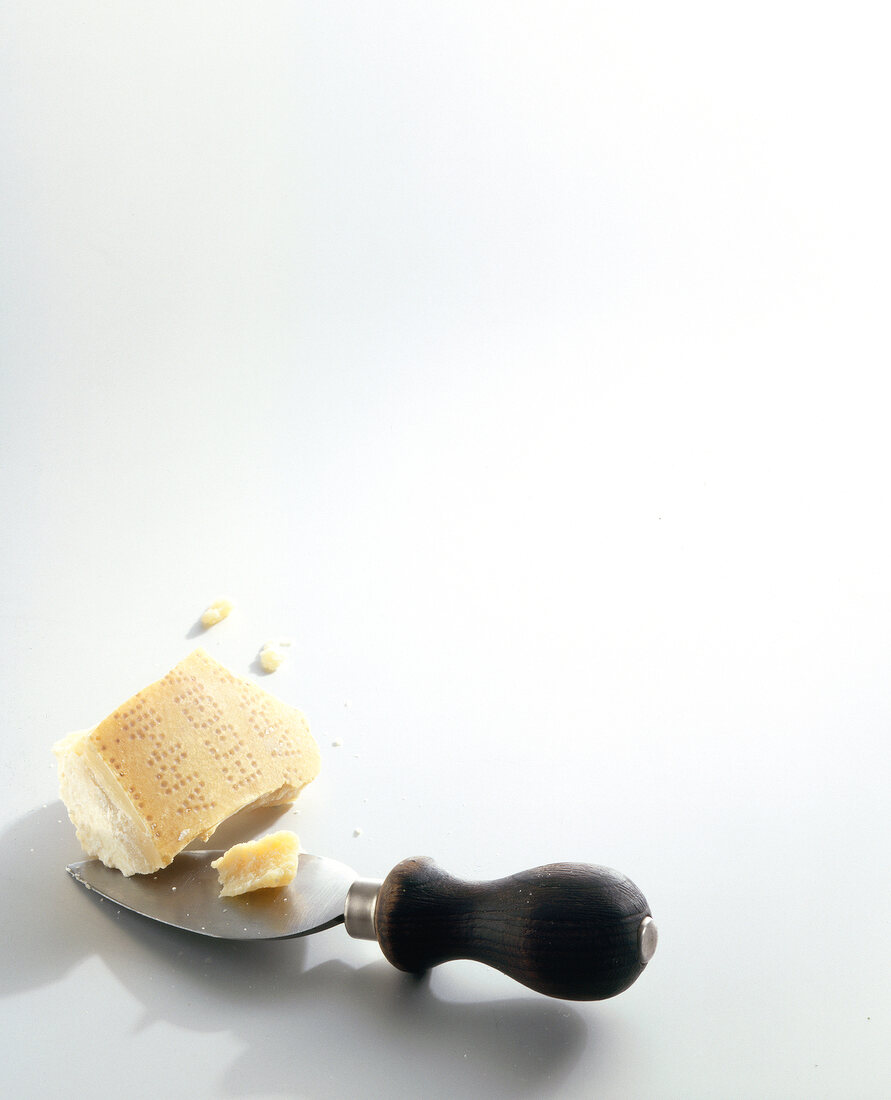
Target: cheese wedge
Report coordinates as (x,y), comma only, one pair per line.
(258,864)
(176,760)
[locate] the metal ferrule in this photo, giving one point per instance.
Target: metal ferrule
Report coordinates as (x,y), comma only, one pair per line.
(359,911)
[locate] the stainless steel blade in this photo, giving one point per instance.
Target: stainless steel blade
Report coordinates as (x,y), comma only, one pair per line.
(186,895)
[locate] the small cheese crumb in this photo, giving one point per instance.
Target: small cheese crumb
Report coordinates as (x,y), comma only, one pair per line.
(357,831)
(258,864)
(216,612)
(271,656)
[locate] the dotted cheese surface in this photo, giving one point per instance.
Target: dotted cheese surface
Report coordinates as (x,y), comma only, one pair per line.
(200,744)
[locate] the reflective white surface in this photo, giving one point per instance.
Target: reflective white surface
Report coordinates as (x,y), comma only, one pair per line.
(526,364)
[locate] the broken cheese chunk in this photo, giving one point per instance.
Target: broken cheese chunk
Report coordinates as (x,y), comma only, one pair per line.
(271,657)
(176,760)
(216,612)
(258,864)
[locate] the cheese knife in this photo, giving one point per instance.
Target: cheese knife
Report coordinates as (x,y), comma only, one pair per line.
(570,930)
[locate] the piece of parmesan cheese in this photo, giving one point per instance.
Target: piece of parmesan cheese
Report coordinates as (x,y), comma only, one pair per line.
(216,612)
(271,657)
(258,864)
(176,760)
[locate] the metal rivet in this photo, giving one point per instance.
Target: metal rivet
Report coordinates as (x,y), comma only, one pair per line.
(647,938)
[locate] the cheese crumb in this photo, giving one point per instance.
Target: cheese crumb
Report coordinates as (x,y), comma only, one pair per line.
(216,612)
(271,656)
(258,864)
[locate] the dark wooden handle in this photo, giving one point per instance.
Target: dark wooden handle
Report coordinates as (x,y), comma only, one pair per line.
(570,930)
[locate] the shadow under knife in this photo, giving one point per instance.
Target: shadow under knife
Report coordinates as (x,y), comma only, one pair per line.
(298,1030)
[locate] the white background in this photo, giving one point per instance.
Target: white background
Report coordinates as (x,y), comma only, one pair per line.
(527,364)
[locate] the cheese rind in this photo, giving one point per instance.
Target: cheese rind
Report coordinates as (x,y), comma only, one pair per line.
(258,864)
(176,760)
